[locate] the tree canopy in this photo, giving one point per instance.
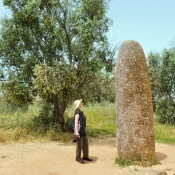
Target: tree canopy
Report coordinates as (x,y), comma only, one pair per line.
(161,67)
(54,49)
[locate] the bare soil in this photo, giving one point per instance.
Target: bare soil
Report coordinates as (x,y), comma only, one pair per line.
(57,158)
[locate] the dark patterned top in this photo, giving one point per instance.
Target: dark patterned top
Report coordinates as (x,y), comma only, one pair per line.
(82,122)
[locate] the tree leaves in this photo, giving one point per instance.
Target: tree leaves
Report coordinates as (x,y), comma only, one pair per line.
(161,67)
(56,48)
(58,80)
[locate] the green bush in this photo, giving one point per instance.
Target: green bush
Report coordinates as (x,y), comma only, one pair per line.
(165,111)
(44,120)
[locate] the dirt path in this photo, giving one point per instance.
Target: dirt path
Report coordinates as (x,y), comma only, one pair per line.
(56,158)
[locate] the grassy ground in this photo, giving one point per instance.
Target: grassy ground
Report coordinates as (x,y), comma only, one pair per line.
(101,119)
(164,133)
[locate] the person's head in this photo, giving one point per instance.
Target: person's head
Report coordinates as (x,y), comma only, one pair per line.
(78,104)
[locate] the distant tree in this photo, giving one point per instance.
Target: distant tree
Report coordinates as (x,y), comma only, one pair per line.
(104,89)
(154,66)
(163,84)
(55,49)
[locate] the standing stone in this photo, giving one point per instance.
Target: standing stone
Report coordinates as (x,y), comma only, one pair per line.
(135,128)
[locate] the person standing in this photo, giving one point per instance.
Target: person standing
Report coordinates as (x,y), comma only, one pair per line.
(80,133)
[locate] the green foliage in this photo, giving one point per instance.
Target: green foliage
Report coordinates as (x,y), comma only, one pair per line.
(154,74)
(165,110)
(16,93)
(56,80)
(9,107)
(44,121)
(54,49)
(143,162)
(162,78)
(104,89)
(124,162)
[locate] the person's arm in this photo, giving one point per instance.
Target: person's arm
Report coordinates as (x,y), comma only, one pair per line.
(77,116)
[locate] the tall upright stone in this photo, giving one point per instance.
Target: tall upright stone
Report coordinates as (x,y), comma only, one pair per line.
(135,129)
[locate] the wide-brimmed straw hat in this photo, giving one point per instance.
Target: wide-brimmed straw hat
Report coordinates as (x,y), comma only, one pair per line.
(77,103)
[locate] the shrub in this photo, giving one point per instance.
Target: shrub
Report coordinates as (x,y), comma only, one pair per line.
(165,111)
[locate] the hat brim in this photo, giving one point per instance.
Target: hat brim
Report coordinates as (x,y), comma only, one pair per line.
(78,104)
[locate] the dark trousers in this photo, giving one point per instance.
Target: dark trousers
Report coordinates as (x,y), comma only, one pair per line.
(82,144)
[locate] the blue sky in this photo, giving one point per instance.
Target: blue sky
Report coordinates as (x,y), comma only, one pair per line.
(149,22)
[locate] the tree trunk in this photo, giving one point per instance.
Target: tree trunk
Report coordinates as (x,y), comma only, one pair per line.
(58,112)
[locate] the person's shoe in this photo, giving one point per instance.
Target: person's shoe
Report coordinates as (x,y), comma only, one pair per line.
(80,160)
(87,158)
